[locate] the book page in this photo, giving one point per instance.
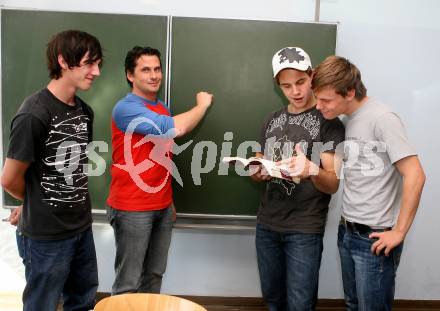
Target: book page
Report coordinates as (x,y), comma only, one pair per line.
(270,166)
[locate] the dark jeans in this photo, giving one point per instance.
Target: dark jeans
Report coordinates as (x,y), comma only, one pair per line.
(368,279)
(289,268)
(59,267)
(142,241)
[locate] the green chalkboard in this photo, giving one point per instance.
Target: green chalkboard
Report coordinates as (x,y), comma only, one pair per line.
(231,59)
(24,36)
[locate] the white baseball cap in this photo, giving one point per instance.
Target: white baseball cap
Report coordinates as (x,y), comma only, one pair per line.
(290,57)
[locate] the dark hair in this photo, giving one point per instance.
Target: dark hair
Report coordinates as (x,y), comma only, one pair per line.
(72,45)
(309,72)
(134,54)
(339,74)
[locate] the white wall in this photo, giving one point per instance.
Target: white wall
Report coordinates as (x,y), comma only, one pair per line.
(396,46)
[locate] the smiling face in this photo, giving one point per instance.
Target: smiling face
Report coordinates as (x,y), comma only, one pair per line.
(146,77)
(332,104)
(80,77)
(296,86)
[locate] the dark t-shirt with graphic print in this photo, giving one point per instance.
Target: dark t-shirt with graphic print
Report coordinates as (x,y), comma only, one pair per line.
(286,206)
(53,136)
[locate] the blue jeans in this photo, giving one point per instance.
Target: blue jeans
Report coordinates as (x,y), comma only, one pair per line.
(368,279)
(142,241)
(289,268)
(59,267)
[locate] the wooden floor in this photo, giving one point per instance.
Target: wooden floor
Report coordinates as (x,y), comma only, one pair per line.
(254,304)
(257,304)
(12,302)
(242,308)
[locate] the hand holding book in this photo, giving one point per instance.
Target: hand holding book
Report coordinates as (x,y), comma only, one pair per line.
(299,166)
(258,173)
(273,169)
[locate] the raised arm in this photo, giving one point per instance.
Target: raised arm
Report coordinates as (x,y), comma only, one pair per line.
(187,121)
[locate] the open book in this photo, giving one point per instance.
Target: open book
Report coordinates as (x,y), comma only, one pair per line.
(270,166)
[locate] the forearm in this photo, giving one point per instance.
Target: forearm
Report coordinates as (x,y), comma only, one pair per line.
(15,189)
(325,181)
(413,181)
(186,121)
(12,180)
(411,193)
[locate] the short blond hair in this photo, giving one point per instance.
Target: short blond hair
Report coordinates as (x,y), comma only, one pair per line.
(339,74)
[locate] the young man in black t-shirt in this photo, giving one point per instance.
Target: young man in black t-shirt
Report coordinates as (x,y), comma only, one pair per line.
(291,217)
(45,169)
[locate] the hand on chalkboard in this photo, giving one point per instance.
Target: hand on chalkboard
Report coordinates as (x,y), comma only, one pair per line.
(204,99)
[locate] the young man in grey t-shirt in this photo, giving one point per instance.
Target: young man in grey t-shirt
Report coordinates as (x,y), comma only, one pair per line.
(383,184)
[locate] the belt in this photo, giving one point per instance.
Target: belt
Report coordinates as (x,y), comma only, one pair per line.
(363,229)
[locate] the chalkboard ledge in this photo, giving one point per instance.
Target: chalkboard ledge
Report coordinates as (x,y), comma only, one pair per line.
(194,221)
(201,221)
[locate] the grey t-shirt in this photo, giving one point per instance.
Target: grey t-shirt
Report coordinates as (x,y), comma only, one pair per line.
(286,206)
(375,139)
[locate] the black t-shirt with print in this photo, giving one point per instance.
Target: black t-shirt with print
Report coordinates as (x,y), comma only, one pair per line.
(53,136)
(286,206)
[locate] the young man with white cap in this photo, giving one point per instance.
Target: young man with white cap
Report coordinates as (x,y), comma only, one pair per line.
(291,217)
(382,176)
